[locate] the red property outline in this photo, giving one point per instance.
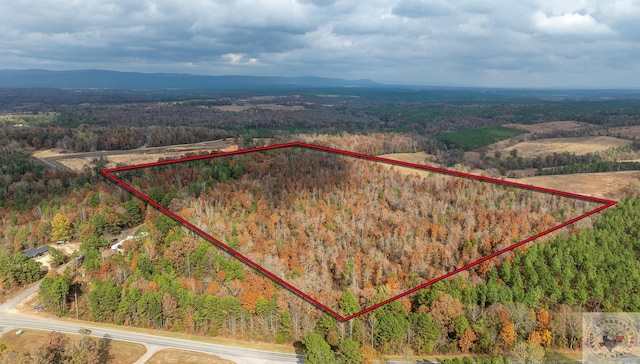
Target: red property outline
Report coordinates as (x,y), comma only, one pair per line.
(108,173)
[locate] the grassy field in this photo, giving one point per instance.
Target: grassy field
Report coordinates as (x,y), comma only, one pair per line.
(612,185)
(472,138)
(123,352)
(625,131)
(579,146)
(550,126)
(171,356)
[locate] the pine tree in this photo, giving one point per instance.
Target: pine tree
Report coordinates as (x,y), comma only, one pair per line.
(317,350)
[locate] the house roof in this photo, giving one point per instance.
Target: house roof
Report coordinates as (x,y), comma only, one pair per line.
(34,252)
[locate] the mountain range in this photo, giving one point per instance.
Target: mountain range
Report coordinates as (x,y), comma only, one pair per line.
(156,81)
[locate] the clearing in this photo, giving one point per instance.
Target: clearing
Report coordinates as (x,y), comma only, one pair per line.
(77,161)
(611,185)
(123,352)
(239,108)
(579,146)
(417,158)
(625,131)
(551,126)
(169,356)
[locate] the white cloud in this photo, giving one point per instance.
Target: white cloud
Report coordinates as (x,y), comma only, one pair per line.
(573,24)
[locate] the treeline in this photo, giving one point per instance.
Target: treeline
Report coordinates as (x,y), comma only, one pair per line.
(83,138)
(602,166)
(25,181)
(552,162)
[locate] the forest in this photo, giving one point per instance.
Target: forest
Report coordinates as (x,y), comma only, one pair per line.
(317,219)
(526,305)
(468,139)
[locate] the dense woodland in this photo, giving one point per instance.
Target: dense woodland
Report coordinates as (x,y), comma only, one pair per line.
(524,305)
(327,223)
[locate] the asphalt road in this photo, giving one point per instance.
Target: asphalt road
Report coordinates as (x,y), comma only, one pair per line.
(238,355)
(11,318)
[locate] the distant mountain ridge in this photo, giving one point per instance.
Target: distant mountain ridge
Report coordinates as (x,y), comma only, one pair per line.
(137,80)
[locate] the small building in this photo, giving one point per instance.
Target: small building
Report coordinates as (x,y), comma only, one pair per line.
(36,252)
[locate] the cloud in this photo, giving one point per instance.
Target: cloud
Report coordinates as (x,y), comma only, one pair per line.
(421,8)
(573,24)
(475,42)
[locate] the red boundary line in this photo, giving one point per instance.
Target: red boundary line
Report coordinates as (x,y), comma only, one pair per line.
(108,173)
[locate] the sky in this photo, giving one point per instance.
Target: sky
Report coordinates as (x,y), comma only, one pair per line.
(484,43)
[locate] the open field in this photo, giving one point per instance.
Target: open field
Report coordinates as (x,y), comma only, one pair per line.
(604,185)
(123,352)
(625,131)
(77,161)
(239,108)
(170,356)
(550,126)
(580,145)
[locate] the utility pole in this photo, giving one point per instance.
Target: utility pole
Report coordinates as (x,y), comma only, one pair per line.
(76,294)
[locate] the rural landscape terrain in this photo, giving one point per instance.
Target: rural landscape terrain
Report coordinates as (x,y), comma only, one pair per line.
(99,269)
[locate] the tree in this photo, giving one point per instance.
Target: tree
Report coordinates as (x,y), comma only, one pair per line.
(445,310)
(426,332)
(467,339)
(461,324)
(91,260)
(284,329)
(349,352)
(54,349)
(57,257)
(349,306)
(371,355)
(527,353)
(508,333)
(392,328)
(169,309)
(53,291)
(84,351)
(133,212)
(60,228)
(103,300)
(317,350)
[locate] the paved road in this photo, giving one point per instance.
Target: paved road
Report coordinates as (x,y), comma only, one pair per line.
(238,355)
(11,318)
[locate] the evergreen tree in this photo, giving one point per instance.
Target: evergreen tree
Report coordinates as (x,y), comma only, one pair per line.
(317,351)
(53,291)
(349,352)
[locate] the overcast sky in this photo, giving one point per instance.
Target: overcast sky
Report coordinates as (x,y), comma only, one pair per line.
(521,43)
